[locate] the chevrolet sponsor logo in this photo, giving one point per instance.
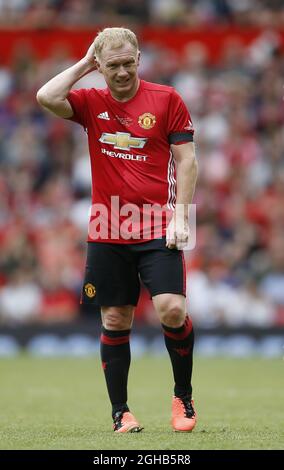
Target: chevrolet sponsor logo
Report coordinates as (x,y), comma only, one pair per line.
(123,140)
(124,156)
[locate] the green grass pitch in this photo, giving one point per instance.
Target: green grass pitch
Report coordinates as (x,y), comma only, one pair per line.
(62,404)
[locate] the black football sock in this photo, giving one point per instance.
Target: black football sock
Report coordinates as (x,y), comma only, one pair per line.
(115,356)
(179,343)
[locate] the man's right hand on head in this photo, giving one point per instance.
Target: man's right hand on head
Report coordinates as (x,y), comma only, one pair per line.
(90,57)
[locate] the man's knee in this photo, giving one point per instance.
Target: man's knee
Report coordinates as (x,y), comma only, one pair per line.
(173,317)
(117,318)
(171,311)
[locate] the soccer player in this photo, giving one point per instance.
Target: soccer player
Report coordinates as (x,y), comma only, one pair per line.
(142,154)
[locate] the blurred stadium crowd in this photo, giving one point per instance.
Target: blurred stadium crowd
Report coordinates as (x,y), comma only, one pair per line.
(236,271)
(191,13)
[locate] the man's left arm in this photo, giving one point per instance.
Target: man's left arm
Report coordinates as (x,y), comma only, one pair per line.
(186,176)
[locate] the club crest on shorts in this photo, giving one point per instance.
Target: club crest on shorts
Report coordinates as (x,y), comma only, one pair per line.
(147,121)
(90,290)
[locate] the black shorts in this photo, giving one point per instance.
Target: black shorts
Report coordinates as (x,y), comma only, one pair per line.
(113,272)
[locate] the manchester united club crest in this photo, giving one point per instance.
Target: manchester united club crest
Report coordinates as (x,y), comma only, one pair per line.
(90,290)
(147,121)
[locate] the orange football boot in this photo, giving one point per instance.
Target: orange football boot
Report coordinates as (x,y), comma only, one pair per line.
(124,421)
(183,414)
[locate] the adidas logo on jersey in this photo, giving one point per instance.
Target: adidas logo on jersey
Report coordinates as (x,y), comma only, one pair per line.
(104,116)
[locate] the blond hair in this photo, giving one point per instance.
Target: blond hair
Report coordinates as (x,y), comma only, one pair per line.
(114,37)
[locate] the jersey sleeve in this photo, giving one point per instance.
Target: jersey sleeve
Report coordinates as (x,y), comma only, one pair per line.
(180,127)
(78,102)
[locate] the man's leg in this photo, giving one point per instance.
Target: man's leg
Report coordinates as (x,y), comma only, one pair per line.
(115,356)
(115,352)
(179,340)
(163,272)
(111,282)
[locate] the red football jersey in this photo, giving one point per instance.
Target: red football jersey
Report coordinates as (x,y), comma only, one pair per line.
(133,171)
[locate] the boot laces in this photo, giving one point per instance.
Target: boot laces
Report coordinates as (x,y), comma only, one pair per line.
(188,408)
(117,420)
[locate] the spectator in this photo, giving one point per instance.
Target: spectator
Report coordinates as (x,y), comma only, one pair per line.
(20,299)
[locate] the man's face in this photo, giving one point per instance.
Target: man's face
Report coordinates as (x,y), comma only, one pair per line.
(119,68)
